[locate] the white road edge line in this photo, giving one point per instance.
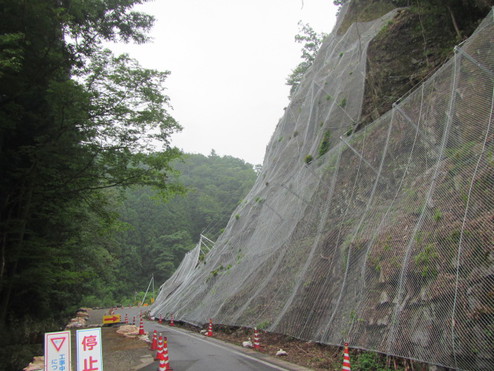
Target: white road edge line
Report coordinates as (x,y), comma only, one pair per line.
(197,337)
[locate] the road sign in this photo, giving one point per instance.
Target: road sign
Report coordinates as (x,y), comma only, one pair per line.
(115,318)
(57,351)
(89,350)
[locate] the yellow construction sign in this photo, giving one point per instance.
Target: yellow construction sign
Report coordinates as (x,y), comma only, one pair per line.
(114,318)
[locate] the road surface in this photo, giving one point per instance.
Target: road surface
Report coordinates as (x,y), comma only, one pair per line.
(190,351)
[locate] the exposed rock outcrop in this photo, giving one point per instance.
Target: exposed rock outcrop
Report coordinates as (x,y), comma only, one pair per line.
(383,236)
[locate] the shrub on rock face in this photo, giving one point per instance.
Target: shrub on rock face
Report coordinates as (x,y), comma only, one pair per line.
(325,143)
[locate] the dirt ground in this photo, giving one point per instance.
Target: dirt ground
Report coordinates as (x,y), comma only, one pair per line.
(122,353)
(308,354)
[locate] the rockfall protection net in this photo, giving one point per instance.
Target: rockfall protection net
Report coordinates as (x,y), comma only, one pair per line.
(385,241)
(184,272)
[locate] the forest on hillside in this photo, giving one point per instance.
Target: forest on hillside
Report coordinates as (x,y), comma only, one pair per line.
(81,129)
(85,152)
(154,235)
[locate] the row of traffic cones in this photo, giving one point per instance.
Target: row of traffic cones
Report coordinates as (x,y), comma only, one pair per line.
(161,352)
(160,344)
(171,323)
(257,346)
(126,320)
(141,324)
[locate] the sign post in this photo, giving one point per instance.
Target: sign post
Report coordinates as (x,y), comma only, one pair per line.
(57,351)
(89,350)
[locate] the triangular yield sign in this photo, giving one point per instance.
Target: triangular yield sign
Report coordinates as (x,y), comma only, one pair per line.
(57,343)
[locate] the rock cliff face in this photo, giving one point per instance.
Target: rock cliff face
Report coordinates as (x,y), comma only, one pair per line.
(377,234)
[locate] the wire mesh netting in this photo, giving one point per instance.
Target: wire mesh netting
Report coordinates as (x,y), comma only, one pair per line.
(385,241)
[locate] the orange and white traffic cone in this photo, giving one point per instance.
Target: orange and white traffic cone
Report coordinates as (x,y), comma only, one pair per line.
(160,321)
(141,327)
(257,344)
(154,344)
(163,366)
(346,359)
(172,322)
(210,328)
(164,361)
(159,351)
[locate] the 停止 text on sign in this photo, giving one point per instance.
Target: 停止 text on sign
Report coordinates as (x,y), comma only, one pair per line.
(89,350)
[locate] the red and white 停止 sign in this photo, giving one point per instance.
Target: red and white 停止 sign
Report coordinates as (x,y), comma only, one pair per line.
(57,351)
(89,350)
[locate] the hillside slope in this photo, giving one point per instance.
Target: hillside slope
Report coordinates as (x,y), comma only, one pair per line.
(379,234)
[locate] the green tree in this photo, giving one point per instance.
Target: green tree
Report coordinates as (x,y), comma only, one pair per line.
(161,233)
(340,2)
(311,42)
(74,122)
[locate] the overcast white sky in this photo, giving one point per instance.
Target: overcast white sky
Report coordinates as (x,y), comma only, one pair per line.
(229,60)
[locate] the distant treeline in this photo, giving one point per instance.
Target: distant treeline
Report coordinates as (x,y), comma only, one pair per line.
(79,129)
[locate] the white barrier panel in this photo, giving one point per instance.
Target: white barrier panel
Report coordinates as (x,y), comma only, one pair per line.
(89,350)
(57,351)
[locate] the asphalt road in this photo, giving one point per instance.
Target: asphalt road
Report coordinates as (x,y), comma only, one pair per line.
(190,351)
